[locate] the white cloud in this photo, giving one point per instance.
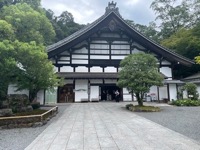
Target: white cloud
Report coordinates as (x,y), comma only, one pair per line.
(87,11)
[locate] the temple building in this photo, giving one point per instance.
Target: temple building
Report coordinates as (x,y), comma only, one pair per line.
(89,59)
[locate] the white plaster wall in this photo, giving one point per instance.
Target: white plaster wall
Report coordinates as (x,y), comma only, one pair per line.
(110,81)
(51,96)
(81,90)
(64,58)
(153,93)
(185,96)
(94,92)
(167,72)
(172,92)
(79,61)
(66,69)
(126,95)
(96,81)
(12,90)
(40,97)
(81,69)
(110,69)
(99,57)
(118,57)
(96,69)
(163,92)
(80,56)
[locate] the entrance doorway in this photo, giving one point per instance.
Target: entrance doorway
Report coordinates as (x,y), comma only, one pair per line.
(66,94)
(108,92)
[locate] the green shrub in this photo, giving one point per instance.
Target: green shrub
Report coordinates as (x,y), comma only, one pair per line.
(35,105)
(186,102)
(138,108)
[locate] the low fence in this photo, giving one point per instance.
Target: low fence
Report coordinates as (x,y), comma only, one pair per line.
(27,121)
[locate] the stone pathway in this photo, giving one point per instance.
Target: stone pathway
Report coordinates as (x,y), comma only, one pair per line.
(108,126)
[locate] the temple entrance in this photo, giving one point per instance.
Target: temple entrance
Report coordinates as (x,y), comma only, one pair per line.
(108,92)
(66,94)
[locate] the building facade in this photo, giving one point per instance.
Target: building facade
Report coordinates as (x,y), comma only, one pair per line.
(89,59)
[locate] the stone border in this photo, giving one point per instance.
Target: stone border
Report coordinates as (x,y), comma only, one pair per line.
(27,121)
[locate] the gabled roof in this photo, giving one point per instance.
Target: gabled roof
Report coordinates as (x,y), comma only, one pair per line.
(193,77)
(112,14)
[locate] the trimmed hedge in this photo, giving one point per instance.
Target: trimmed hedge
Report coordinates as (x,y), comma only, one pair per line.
(186,102)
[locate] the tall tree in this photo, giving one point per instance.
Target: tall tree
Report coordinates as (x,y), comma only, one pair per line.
(29,25)
(138,73)
(33,3)
(173,16)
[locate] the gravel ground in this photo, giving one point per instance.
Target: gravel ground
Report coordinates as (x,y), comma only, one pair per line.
(19,139)
(184,120)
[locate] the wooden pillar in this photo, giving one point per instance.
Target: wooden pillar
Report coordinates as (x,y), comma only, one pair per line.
(168,92)
(89,90)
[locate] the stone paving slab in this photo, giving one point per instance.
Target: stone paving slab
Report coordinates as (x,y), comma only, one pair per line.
(108,126)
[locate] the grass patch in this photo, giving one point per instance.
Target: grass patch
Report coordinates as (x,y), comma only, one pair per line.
(34,112)
(137,108)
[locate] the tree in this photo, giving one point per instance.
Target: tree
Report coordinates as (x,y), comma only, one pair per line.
(191,89)
(7,67)
(36,72)
(6,31)
(174,15)
(27,66)
(149,31)
(33,3)
(138,73)
(29,25)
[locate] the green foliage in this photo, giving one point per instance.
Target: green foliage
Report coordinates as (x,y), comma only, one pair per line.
(27,65)
(149,31)
(175,15)
(28,24)
(138,73)
(184,42)
(64,24)
(6,31)
(186,102)
(191,89)
(142,108)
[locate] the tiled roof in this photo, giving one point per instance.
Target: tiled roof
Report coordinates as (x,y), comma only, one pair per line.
(95,23)
(193,77)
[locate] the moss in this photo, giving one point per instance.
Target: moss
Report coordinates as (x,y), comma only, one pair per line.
(137,108)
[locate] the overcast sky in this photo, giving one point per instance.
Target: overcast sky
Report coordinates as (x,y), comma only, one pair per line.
(87,11)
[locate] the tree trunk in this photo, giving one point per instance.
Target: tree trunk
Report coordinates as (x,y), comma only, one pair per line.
(32,95)
(139,99)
